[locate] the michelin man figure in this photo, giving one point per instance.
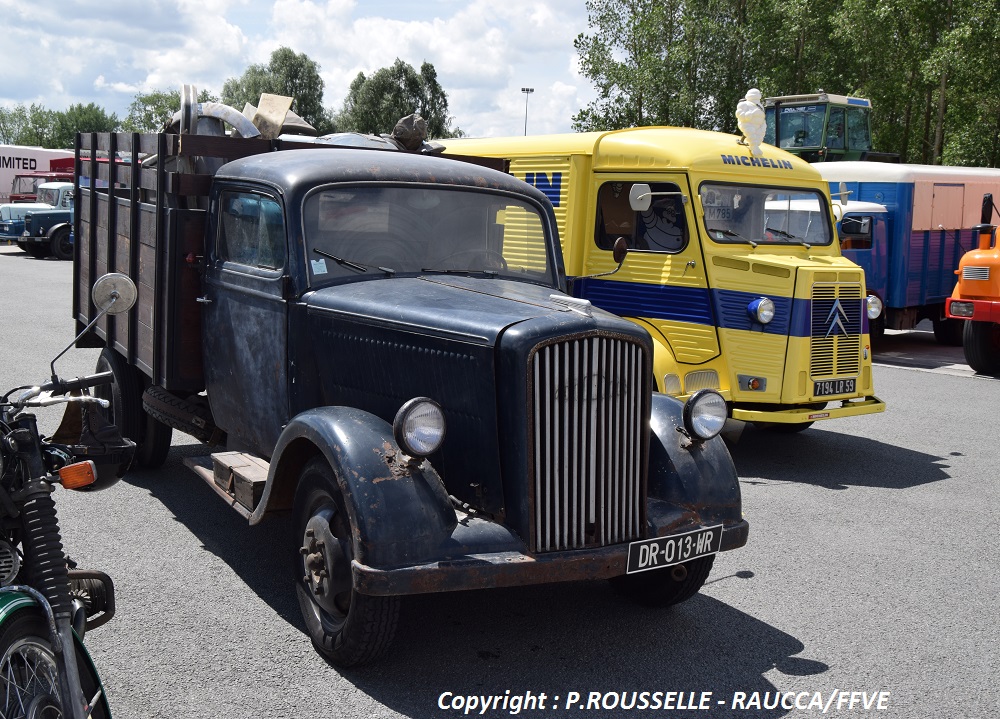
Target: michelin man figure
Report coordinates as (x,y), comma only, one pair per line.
(751,120)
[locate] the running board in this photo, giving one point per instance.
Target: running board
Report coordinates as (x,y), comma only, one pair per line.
(238,478)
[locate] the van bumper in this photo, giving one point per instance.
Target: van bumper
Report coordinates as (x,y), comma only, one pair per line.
(798,415)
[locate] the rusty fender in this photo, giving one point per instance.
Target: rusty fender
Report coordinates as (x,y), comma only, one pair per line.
(400,512)
(698,477)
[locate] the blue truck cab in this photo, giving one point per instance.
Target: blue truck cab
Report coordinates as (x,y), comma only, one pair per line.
(48,224)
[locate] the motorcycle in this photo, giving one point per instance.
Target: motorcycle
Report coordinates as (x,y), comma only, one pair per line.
(47,604)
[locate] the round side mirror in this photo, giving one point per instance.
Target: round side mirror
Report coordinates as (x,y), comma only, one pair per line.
(619,250)
(114,293)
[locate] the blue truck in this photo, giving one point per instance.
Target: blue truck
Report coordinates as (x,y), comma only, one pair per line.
(910,250)
(48,224)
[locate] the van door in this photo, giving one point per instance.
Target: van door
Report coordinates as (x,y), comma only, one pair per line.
(663,279)
(246,320)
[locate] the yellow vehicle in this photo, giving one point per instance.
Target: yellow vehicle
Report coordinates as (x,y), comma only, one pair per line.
(733,264)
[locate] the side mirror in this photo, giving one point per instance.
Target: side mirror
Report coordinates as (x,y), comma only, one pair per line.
(640,197)
(619,251)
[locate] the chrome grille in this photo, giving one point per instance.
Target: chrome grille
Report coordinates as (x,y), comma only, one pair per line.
(588,401)
(835,347)
(975,273)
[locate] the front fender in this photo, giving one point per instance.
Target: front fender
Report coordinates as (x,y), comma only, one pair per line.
(399,513)
(56,227)
(698,476)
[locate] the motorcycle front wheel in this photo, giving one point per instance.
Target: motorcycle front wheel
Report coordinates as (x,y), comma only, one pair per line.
(29,683)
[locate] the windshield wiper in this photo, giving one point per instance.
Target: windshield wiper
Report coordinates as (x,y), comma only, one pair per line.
(730,233)
(353,265)
(790,236)
(491,273)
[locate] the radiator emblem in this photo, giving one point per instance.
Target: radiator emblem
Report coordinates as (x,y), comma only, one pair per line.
(836,319)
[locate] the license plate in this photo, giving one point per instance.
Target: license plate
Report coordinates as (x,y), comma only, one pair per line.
(833,386)
(662,552)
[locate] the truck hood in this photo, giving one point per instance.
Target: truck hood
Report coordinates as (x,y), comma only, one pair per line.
(469,309)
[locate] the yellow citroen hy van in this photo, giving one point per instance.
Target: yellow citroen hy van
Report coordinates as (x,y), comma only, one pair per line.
(733,267)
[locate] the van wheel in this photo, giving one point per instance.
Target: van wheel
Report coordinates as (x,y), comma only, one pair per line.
(665,587)
(152,438)
(347,627)
(948,332)
(61,245)
(982,346)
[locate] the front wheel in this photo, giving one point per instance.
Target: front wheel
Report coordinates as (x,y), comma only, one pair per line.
(29,682)
(152,438)
(982,346)
(347,627)
(61,245)
(668,586)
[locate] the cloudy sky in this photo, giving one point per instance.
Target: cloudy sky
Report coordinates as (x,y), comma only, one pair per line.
(484,51)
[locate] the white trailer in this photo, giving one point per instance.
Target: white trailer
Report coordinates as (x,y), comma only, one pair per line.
(15,159)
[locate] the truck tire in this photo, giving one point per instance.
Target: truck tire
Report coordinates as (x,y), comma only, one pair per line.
(191,417)
(664,587)
(948,332)
(152,438)
(61,245)
(347,627)
(981,342)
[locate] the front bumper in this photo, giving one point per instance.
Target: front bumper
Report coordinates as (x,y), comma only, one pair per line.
(496,569)
(982,310)
(797,415)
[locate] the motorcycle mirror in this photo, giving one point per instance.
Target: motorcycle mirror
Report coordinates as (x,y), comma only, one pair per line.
(114,293)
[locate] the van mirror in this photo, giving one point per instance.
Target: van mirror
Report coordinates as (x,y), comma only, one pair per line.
(640,197)
(619,251)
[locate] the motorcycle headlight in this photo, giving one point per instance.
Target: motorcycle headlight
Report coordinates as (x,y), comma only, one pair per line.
(761,310)
(419,427)
(705,413)
(874,305)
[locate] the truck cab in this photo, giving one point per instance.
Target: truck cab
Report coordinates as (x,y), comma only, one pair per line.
(821,127)
(48,223)
(381,343)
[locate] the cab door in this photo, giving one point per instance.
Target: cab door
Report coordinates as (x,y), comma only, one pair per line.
(246,320)
(663,282)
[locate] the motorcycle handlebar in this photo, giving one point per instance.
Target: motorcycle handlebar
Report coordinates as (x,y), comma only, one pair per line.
(62,386)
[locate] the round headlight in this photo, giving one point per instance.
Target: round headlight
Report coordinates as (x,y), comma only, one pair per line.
(419,427)
(761,310)
(705,413)
(874,307)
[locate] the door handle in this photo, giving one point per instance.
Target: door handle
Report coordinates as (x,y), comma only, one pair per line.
(203,300)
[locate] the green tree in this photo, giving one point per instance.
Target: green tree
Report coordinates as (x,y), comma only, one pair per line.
(150,111)
(374,104)
(287,73)
(80,118)
(27,125)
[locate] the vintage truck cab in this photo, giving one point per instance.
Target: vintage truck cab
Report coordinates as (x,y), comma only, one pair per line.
(381,344)
(47,227)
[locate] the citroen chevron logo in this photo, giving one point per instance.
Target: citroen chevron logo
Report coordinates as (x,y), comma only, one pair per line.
(836,319)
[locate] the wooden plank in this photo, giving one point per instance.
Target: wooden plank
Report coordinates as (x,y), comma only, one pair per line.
(202,467)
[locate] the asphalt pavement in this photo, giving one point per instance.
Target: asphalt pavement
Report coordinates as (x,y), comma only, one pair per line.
(871,568)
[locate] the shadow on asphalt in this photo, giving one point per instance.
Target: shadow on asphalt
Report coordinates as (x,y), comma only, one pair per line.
(575,637)
(832,460)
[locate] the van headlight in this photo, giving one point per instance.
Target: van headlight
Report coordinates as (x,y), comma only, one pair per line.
(874,306)
(705,413)
(761,310)
(419,427)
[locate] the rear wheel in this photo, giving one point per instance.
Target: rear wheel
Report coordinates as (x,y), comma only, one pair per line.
(948,332)
(152,438)
(29,682)
(347,627)
(61,245)
(665,587)
(981,342)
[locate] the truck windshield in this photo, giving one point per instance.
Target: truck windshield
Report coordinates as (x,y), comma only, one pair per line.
(48,196)
(394,230)
(752,214)
(801,125)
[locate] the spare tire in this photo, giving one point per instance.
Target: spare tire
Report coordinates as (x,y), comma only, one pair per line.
(191,416)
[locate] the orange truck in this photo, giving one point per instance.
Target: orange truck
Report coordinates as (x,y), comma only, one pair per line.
(976,297)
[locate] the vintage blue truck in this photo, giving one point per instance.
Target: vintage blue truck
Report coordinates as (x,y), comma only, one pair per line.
(381,343)
(48,224)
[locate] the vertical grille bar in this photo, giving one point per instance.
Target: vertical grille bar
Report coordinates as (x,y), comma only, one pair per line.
(587,421)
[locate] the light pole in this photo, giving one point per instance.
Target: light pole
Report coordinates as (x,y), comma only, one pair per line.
(527,91)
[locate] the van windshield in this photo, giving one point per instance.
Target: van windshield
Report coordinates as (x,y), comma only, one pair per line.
(351,230)
(751,214)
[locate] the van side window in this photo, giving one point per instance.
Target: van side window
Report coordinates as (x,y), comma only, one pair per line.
(661,228)
(252,231)
(856,232)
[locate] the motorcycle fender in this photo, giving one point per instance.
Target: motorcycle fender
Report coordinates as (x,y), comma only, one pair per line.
(698,476)
(399,509)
